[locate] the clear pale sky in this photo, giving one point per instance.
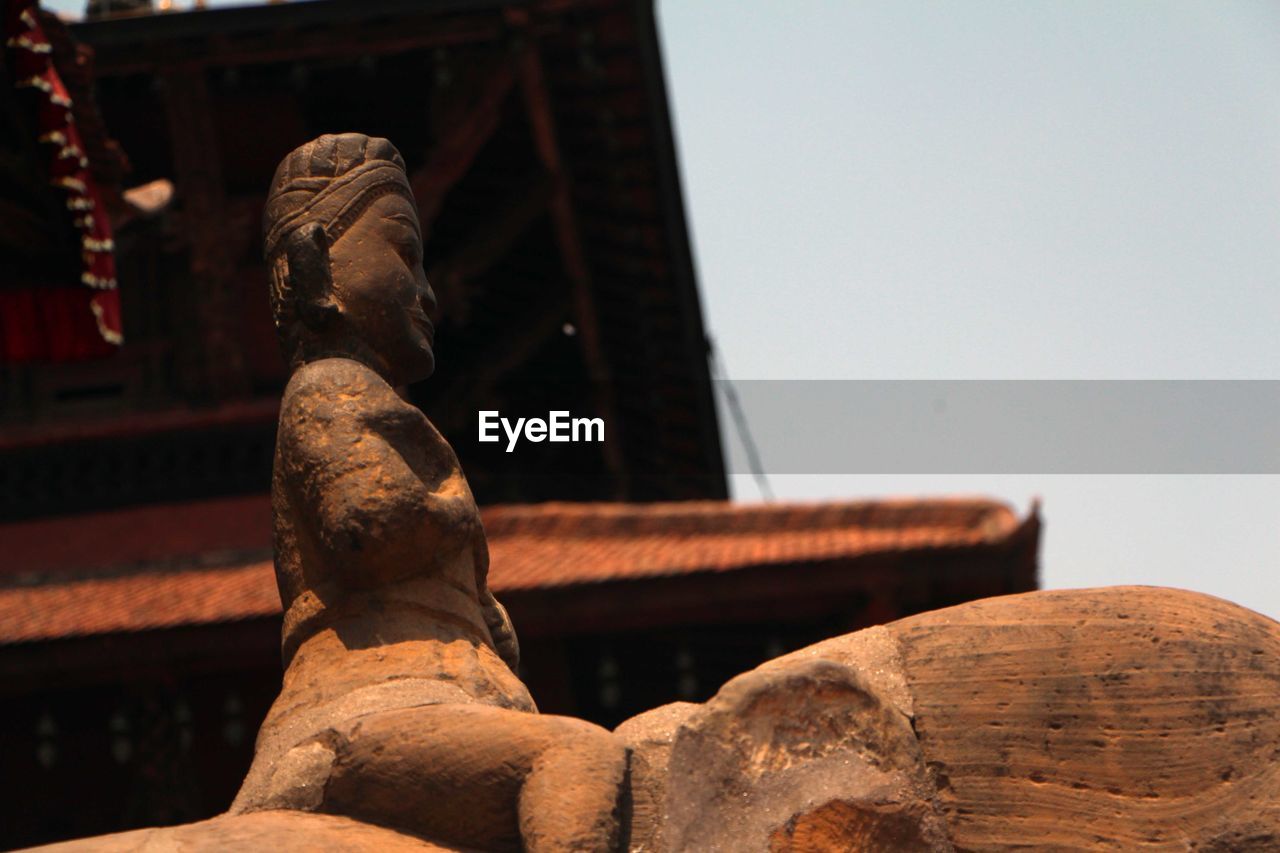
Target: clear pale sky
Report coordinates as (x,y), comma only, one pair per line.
(999,190)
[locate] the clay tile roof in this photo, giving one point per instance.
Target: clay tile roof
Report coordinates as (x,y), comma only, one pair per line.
(531,547)
(136,602)
(550,545)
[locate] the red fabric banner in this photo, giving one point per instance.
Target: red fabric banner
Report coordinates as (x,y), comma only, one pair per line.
(51,323)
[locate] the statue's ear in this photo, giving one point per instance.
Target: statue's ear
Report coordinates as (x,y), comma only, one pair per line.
(310,279)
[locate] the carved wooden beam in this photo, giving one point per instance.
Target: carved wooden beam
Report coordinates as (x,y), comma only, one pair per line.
(537,101)
(488,245)
(457,148)
(119,56)
(216,356)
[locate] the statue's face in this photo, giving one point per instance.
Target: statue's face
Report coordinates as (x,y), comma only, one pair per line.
(379,282)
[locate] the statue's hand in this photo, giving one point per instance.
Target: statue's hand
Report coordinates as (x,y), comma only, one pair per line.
(504,633)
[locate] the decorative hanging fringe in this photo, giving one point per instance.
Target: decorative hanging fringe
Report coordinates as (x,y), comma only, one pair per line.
(30,58)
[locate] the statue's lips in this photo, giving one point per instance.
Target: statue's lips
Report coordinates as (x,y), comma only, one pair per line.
(424,324)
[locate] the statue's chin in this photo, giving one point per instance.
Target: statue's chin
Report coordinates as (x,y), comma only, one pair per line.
(422,368)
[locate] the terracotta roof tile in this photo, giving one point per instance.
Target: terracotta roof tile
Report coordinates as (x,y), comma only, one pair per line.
(566,544)
(531,547)
(67,608)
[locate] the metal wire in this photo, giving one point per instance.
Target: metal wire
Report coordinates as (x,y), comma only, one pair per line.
(739,421)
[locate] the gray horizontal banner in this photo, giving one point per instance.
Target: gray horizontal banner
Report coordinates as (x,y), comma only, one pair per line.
(1006,427)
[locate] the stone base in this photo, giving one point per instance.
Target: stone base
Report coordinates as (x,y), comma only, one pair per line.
(1117,718)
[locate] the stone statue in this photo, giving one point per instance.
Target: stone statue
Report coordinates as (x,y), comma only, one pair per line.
(400,704)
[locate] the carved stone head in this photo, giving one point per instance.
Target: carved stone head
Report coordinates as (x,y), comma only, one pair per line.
(344,248)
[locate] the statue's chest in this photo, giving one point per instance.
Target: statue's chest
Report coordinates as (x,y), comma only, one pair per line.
(424,451)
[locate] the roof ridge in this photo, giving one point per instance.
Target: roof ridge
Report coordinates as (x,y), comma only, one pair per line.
(701,517)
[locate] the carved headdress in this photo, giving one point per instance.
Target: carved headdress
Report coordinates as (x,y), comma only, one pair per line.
(329,181)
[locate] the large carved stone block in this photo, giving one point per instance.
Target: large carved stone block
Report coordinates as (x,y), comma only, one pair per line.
(1118,718)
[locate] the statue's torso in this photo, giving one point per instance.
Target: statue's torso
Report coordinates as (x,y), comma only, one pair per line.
(380,557)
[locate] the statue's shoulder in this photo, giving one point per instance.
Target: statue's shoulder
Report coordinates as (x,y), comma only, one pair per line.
(337,377)
(336,391)
(338,383)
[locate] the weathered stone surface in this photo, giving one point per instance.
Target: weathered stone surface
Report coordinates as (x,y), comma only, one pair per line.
(845,825)
(874,653)
(1124,717)
(774,747)
(1121,718)
(649,737)
(274,831)
(482,774)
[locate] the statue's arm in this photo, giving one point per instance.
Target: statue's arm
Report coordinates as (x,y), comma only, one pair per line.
(501,629)
(495,615)
(368,510)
